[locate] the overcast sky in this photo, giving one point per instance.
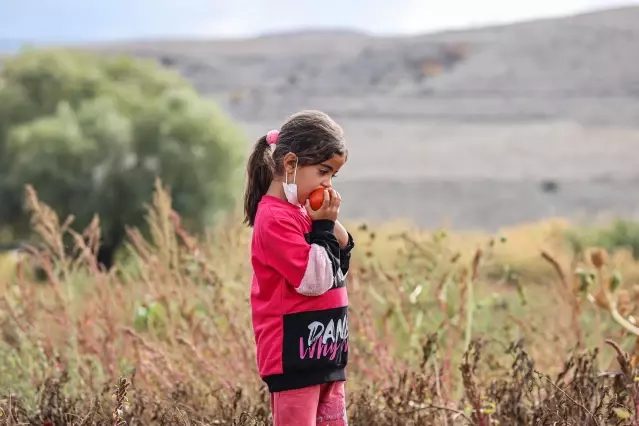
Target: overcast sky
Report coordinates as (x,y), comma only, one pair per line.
(90,20)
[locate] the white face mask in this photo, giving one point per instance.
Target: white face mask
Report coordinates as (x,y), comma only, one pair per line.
(290,189)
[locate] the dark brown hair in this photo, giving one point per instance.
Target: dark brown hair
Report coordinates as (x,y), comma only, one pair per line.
(311,135)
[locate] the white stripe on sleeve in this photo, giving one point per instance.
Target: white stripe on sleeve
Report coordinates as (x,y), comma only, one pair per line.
(318,278)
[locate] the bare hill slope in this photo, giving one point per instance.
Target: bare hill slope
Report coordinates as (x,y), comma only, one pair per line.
(541,65)
(462,125)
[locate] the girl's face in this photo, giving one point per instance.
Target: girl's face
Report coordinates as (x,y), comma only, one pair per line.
(309,178)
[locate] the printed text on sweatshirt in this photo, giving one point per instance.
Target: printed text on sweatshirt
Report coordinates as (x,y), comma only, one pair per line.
(298,297)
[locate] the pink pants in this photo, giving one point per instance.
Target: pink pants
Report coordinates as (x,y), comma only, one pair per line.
(320,405)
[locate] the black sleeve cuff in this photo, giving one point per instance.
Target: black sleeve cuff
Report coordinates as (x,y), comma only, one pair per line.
(323,225)
(345,255)
(349,245)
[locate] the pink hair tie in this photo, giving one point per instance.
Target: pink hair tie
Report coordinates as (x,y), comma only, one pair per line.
(271,137)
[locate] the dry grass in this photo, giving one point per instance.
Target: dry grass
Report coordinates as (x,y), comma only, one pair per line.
(445,330)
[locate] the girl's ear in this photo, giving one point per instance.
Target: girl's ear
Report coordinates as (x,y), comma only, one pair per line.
(290,160)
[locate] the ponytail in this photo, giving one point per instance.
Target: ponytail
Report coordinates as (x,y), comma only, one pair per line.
(260,175)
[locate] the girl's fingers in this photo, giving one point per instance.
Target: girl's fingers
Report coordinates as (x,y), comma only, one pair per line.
(327,199)
(334,197)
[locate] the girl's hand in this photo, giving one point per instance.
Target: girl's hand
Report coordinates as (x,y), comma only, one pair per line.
(329,209)
(340,232)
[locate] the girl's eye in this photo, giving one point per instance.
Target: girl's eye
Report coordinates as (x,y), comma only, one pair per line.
(325,172)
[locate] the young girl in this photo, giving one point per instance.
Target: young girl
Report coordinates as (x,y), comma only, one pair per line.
(300,258)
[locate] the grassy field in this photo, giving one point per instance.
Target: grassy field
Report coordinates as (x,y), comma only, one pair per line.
(530,326)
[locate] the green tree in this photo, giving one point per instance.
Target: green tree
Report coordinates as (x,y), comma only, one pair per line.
(91,134)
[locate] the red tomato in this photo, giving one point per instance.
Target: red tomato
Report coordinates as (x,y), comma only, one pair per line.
(316,198)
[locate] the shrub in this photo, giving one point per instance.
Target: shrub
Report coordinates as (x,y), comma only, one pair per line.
(620,234)
(92,133)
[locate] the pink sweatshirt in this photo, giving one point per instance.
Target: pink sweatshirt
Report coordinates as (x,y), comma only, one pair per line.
(298,297)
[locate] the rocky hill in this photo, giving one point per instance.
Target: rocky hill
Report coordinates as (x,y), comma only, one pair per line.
(543,67)
(484,127)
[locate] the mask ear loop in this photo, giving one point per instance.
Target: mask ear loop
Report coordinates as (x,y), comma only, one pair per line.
(294,172)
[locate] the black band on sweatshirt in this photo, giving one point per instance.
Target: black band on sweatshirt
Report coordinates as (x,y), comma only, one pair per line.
(323,225)
(345,254)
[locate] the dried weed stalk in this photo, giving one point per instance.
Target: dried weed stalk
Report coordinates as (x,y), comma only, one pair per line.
(165,337)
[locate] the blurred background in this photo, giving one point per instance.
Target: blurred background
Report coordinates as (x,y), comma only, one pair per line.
(513,124)
(469,115)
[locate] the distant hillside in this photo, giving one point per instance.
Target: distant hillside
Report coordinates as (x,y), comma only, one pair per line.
(589,56)
(594,54)
(542,66)
(471,126)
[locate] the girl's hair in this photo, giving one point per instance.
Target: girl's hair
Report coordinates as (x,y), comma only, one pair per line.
(311,135)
